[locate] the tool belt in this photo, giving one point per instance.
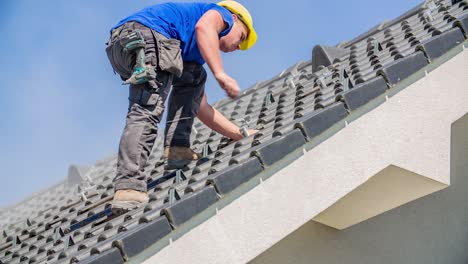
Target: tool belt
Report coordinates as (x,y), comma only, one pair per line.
(136,53)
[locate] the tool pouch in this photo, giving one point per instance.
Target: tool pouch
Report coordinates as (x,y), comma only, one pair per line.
(169,54)
(138,53)
(170,57)
(132,41)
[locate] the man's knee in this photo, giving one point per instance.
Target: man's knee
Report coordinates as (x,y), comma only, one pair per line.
(145,101)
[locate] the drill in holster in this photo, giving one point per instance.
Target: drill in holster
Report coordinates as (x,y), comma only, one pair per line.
(135,42)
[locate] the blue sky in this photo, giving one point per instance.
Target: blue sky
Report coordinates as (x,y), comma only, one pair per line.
(61,104)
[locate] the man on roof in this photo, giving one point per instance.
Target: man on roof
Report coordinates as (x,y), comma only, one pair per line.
(166,45)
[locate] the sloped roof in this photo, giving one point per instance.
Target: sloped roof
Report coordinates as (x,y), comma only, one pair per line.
(67,224)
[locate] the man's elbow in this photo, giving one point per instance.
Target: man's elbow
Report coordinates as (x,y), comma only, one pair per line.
(208,112)
(205,107)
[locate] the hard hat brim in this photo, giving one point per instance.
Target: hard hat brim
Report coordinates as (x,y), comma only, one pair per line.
(250,40)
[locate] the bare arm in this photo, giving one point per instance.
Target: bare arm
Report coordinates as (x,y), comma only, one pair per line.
(207,30)
(216,121)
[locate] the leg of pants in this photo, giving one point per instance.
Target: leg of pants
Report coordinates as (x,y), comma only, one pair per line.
(145,112)
(146,106)
(184,104)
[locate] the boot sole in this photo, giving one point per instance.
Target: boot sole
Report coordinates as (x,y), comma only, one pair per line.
(121,207)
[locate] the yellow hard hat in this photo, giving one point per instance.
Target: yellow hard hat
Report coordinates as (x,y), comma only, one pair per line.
(244,15)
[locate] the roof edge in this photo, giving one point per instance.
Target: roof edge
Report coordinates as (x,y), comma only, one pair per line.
(381,25)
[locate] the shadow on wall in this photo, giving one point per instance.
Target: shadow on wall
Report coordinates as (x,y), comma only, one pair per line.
(432,229)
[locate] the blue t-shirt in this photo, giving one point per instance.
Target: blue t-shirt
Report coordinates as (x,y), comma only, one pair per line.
(177,21)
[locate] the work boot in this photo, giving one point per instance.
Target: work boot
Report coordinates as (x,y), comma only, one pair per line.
(178,157)
(127,199)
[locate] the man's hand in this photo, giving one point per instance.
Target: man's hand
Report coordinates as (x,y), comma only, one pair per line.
(228,84)
(239,136)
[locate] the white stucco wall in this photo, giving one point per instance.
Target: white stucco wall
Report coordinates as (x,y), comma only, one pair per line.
(410,130)
(430,230)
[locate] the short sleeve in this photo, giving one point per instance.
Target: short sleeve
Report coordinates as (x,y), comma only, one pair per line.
(227,17)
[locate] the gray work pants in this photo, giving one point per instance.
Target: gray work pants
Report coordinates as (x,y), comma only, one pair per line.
(147,101)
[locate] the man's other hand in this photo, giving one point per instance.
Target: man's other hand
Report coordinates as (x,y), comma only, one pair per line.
(228,84)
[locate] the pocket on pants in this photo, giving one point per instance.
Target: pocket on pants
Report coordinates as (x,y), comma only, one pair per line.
(142,95)
(170,56)
(121,61)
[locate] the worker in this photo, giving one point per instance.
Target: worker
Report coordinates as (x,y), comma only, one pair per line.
(163,46)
